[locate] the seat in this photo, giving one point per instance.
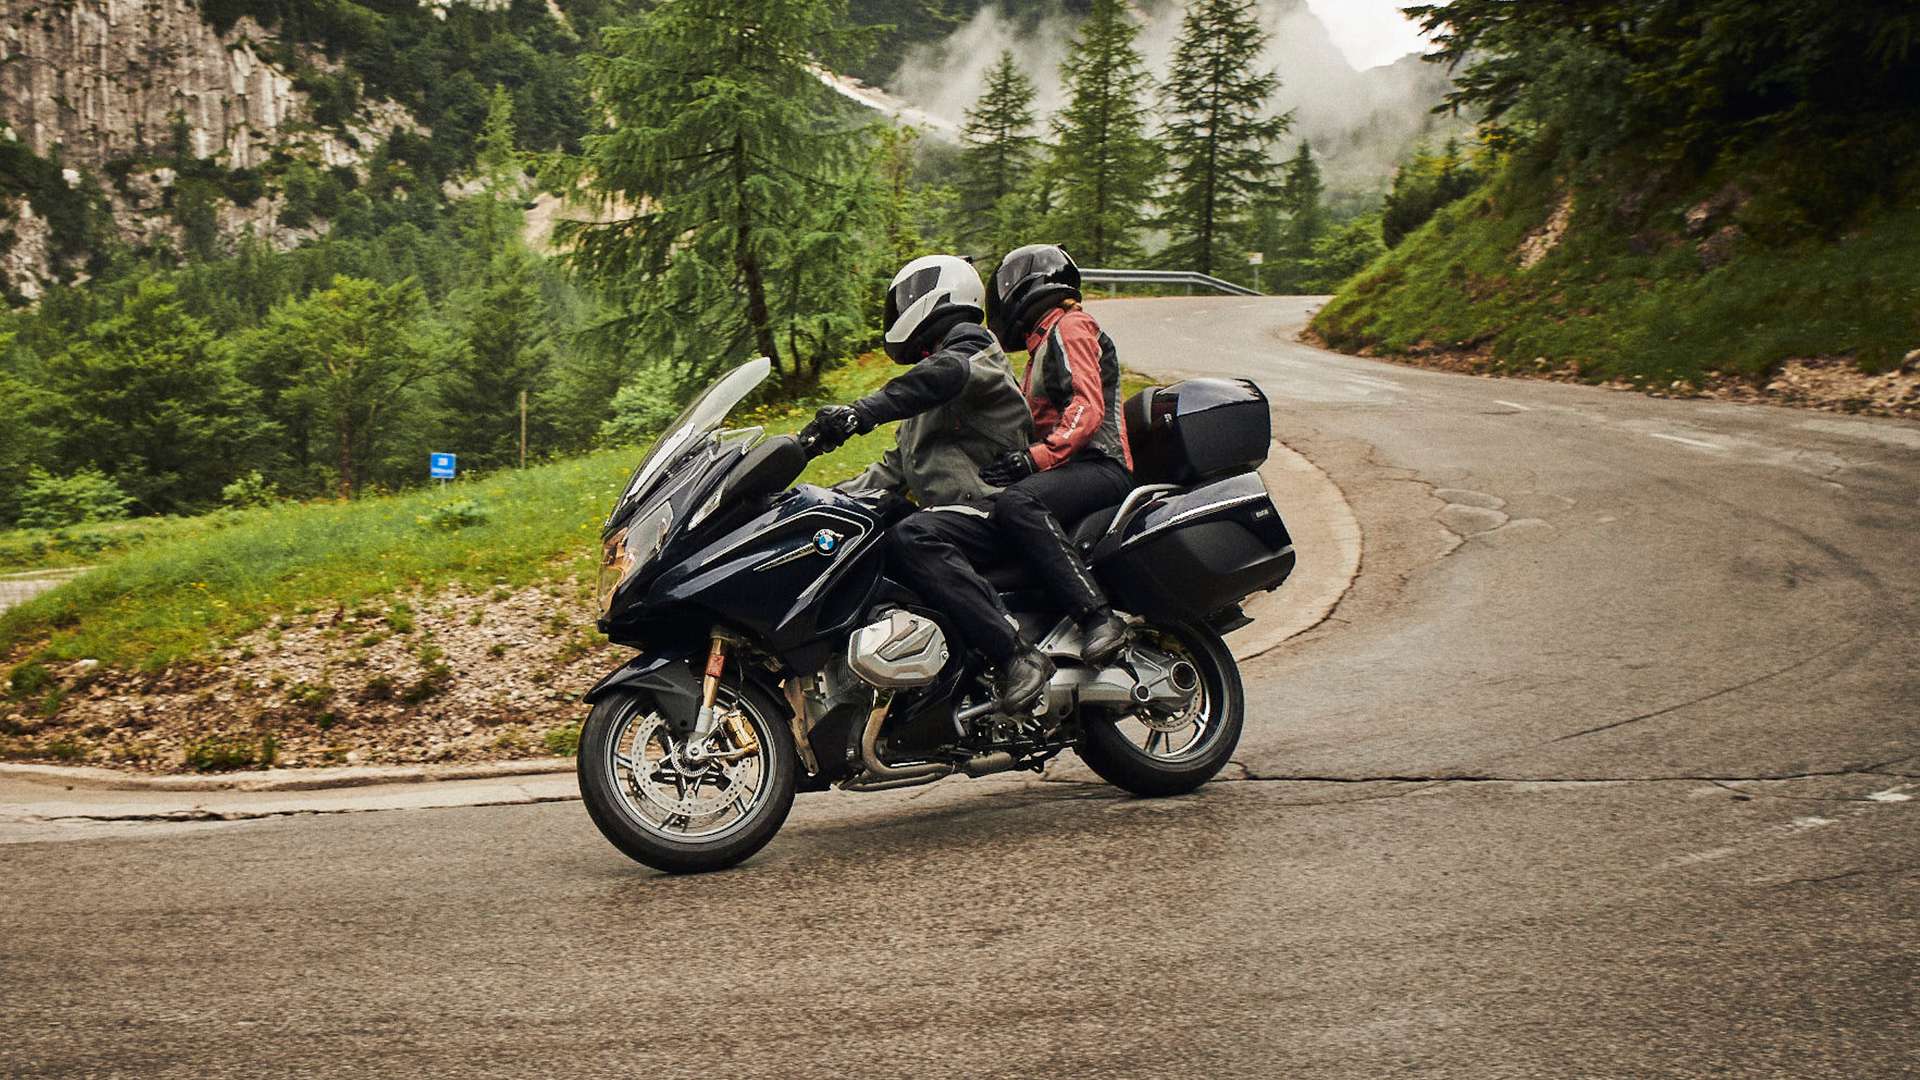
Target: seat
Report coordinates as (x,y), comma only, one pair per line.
(1010,575)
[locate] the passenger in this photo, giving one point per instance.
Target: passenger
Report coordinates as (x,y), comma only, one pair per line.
(1079,462)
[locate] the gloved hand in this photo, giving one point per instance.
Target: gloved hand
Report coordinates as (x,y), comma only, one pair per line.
(832,426)
(1008,469)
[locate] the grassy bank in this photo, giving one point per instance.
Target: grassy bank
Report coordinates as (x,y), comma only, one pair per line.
(189,586)
(1697,287)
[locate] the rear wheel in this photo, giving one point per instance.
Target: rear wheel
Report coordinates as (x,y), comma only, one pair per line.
(1157,753)
(679,819)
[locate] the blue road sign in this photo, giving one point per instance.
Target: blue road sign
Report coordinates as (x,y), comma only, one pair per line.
(440,466)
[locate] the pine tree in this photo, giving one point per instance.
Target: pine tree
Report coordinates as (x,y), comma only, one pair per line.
(146,395)
(999,143)
(506,352)
(1290,224)
(716,151)
(1104,166)
(359,349)
(1218,131)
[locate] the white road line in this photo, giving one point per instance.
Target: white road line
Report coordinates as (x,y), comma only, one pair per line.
(1892,794)
(1511,405)
(1689,442)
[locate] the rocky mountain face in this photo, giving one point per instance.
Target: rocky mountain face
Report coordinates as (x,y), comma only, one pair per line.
(109,97)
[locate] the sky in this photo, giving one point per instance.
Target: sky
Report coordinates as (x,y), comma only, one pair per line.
(1369,32)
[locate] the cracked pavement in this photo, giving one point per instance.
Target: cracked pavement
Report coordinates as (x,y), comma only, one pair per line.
(1606,766)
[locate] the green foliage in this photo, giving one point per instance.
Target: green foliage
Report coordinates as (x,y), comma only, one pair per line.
(1104,164)
(1616,307)
(1823,98)
(27,680)
(348,358)
(502,351)
(457,514)
(1000,145)
(563,741)
(643,408)
(1218,131)
(1290,225)
(1423,185)
(146,396)
(225,753)
(718,149)
(50,502)
(249,489)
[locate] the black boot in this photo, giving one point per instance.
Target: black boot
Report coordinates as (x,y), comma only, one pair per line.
(1020,683)
(1102,634)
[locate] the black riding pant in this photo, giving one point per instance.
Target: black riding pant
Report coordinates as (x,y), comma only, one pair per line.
(1030,518)
(935,552)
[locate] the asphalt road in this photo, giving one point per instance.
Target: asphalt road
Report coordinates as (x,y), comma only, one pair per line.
(1602,769)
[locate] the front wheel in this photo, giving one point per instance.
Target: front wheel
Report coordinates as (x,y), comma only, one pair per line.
(679,820)
(1159,753)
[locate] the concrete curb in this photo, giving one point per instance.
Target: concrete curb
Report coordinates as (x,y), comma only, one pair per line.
(1327,540)
(82,777)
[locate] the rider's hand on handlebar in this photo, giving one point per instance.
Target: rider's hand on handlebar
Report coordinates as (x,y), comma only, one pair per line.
(830,427)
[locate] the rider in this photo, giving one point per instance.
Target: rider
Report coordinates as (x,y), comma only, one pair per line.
(963,410)
(1080,462)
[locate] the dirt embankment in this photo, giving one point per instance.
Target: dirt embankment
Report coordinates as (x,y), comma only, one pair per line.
(452,677)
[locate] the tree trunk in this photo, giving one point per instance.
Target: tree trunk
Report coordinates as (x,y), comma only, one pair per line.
(344,431)
(757,315)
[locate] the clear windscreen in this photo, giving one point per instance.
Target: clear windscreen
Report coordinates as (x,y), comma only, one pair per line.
(702,417)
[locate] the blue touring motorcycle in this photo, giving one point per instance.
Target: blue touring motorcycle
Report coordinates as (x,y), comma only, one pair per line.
(776,654)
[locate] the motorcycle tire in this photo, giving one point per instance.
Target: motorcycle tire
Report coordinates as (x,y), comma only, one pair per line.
(645,841)
(1110,751)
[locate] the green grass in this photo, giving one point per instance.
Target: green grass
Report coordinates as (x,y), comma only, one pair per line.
(194,585)
(86,545)
(190,585)
(1614,312)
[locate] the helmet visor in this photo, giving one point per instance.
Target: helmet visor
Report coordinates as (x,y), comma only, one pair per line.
(904,293)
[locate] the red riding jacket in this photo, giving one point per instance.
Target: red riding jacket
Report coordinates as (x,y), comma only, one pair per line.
(1076,397)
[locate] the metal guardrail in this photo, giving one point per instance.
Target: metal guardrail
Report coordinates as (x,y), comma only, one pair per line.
(1164,277)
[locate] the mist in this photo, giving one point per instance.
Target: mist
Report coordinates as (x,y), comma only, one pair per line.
(1361,123)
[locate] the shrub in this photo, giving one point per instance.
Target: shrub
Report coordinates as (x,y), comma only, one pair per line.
(563,741)
(52,502)
(250,490)
(455,515)
(28,679)
(224,753)
(641,408)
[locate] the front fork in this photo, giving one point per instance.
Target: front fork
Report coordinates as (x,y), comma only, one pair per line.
(708,719)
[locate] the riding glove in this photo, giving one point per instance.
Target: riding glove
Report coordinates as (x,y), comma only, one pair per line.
(832,426)
(1008,469)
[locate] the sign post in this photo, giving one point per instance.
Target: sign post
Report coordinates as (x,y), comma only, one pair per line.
(440,467)
(1254,259)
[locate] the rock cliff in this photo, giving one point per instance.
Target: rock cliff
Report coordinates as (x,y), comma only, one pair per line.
(118,91)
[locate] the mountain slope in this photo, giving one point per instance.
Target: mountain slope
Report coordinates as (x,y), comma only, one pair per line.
(175,126)
(1535,275)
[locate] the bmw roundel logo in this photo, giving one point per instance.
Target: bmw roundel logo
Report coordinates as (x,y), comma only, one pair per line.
(825,541)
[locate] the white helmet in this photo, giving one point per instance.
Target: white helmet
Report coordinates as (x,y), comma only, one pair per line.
(922,300)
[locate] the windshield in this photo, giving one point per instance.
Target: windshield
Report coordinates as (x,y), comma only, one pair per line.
(702,417)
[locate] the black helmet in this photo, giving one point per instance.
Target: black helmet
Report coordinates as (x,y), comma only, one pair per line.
(924,301)
(1030,280)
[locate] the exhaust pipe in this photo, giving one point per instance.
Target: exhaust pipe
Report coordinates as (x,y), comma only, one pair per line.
(876,770)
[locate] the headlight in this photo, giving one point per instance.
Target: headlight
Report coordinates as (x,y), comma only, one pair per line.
(626,551)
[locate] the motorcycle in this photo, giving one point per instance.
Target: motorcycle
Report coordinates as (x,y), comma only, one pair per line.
(776,654)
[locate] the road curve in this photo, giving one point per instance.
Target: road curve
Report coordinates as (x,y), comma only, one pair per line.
(1604,767)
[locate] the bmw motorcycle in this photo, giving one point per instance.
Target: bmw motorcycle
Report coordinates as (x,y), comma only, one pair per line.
(776,654)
